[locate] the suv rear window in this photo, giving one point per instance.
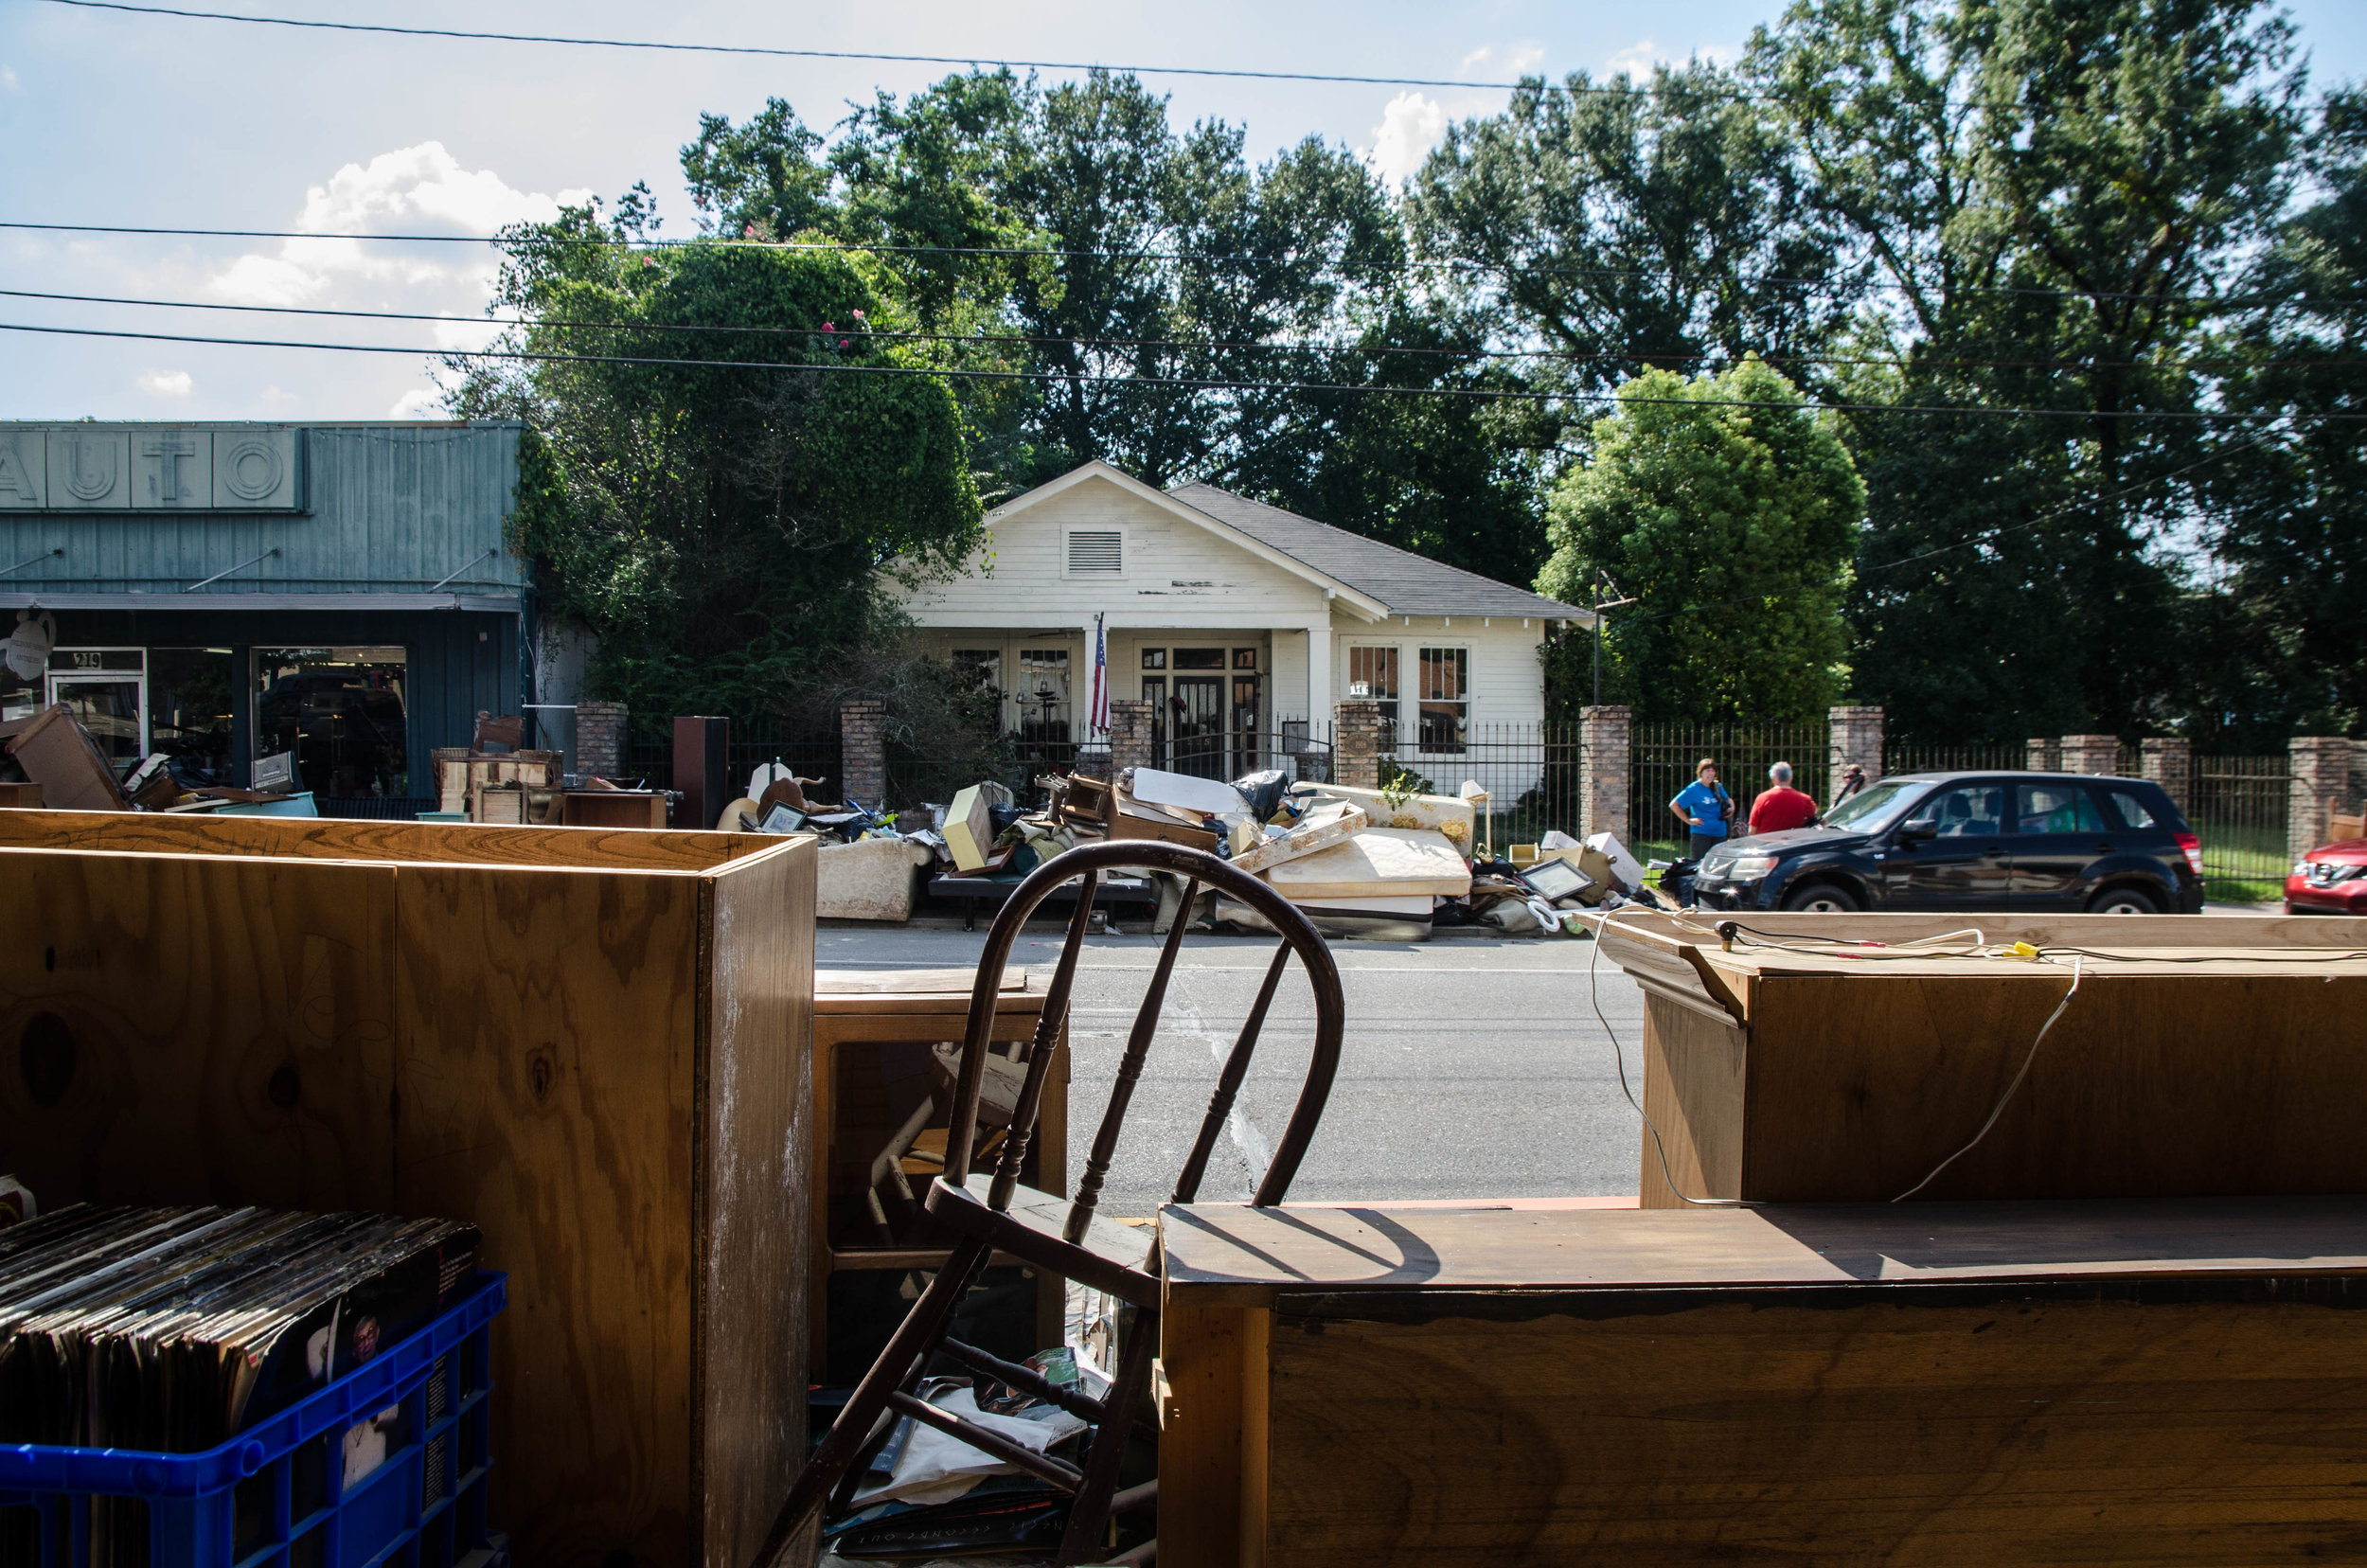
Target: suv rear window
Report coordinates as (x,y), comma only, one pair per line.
(2130,810)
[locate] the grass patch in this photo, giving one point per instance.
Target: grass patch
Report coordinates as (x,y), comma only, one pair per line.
(2243,890)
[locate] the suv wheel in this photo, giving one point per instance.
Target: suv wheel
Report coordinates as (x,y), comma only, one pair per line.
(2123,901)
(1821,897)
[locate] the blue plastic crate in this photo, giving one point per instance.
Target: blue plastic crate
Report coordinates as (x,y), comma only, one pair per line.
(274,1495)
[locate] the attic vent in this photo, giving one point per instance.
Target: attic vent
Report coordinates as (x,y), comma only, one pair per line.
(1096,552)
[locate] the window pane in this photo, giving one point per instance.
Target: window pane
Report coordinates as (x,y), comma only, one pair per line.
(1974,811)
(2057,809)
(1374,670)
(190,707)
(342,711)
(1245,658)
(1446,674)
(1442,727)
(109,707)
(2132,810)
(1199,658)
(1154,658)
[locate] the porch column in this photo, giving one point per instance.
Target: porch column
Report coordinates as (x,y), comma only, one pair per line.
(1356,745)
(1319,675)
(2321,782)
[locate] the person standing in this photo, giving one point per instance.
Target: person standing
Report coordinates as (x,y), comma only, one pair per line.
(1852,780)
(1705,809)
(1780,807)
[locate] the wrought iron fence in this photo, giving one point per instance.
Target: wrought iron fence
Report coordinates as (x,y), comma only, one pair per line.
(650,757)
(1904,755)
(2240,807)
(1297,752)
(1532,772)
(1664,759)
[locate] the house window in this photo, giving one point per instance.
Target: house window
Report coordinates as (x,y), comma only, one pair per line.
(1044,693)
(1096,553)
(1154,658)
(1373,674)
(1199,658)
(1445,694)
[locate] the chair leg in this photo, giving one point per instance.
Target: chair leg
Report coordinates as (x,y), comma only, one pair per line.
(907,1350)
(1089,1515)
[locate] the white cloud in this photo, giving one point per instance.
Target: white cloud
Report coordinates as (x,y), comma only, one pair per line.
(164,384)
(1636,59)
(1409,128)
(421,402)
(1524,56)
(7,78)
(1477,57)
(413,190)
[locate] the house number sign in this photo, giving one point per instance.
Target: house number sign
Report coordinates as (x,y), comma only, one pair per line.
(90,468)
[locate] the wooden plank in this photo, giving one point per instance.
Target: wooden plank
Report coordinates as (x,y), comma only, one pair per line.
(1693,927)
(1201,1441)
(1232,1255)
(337,838)
(184,1029)
(2155,1085)
(755,1152)
(547,1026)
(1693,1066)
(2106,1422)
(846,983)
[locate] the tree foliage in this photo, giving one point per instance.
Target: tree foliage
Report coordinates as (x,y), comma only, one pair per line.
(1729,512)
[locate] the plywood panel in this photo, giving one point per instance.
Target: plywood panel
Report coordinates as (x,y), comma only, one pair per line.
(1694,1065)
(336,838)
(178,1029)
(2149,1085)
(1207,1358)
(546,1052)
(2097,1423)
(756,1169)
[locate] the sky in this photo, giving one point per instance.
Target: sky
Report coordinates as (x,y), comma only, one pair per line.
(115,118)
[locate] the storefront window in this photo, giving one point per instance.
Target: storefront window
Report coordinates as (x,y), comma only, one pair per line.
(343,711)
(106,691)
(188,708)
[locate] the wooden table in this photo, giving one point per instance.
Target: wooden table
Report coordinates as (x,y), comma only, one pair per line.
(889,1007)
(2094,1381)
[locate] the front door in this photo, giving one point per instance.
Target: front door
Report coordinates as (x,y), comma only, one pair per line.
(113,706)
(1966,863)
(2061,833)
(1247,756)
(1198,711)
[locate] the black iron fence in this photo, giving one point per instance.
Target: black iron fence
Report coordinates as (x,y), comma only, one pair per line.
(2240,807)
(1903,755)
(1664,759)
(650,758)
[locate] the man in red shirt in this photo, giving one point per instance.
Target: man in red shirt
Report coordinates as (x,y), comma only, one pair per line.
(1781,806)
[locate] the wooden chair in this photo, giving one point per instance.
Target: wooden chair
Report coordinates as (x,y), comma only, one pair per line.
(1068,1238)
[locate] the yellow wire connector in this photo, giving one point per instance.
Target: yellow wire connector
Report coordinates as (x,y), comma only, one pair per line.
(2020,949)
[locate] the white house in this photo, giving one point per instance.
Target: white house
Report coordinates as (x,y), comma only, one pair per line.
(1242,624)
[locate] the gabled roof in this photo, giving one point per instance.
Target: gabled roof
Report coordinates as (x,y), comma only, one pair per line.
(1407,584)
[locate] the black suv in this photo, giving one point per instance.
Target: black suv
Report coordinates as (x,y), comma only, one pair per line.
(2030,840)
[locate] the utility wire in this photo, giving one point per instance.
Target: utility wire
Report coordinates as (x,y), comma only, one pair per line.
(1180,384)
(1267,345)
(1507,269)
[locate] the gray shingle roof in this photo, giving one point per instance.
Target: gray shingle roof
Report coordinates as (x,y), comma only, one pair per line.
(1407,584)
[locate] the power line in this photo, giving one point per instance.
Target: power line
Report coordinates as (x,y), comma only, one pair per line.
(1180,384)
(1028,338)
(1507,269)
(970,60)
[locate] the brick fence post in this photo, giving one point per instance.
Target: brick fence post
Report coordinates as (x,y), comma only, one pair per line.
(1857,737)
(600,738)
(1606,752)
(2170,763)
(2043,754)
(1130,733)
(2091,753)
(862,751)
(2322,780)
(1356,745)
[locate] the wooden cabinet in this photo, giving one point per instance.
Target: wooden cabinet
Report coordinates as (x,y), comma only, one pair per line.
(592,1045)
(872,1034)
(1942,1383)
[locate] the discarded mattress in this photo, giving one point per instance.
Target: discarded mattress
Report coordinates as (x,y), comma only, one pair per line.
(1375,864)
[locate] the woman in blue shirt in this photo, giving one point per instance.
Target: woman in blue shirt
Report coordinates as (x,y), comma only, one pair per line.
(1706,809)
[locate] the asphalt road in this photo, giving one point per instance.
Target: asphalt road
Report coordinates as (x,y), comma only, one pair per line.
(1472,1067)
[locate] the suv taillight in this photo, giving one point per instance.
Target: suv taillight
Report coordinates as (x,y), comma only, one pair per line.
(2193,847)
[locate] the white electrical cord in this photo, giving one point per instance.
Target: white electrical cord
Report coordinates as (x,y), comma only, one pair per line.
(1593,995)
(2000,1109)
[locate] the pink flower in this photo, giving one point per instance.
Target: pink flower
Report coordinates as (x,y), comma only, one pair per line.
(829,326)
(858,315)
(841,342)
(747,231)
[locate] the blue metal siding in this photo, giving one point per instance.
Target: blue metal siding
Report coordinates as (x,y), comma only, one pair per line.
(388,508)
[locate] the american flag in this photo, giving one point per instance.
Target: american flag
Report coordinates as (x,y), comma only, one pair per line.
(1099,713)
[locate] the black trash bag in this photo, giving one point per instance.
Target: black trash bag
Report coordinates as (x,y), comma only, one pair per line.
(1003,816)
(1677,881)
(1263,791)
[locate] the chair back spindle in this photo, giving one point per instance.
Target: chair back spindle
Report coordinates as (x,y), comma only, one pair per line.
(1080,1211)
(983,994)
(1229,1081)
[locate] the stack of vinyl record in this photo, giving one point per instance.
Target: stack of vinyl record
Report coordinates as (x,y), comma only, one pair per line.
(173,1330)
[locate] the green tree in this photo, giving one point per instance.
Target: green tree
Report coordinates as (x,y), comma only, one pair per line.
(1730,512)
(721,527)
(2056,195)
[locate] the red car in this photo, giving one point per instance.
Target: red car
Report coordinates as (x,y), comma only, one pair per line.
(2330,880)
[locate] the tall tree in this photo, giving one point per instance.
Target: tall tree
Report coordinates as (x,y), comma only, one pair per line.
(2059,195)
(1729,512)
(720,526)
